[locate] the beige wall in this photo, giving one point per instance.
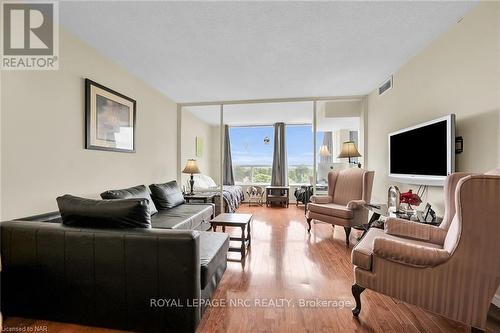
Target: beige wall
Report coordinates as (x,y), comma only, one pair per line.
(458,73)
(193,127)
(340,108)
(42,133)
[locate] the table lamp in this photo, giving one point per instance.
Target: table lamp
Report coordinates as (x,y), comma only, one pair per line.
(349,150)
(191,168)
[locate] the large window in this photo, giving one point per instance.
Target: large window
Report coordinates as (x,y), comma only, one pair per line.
(252,154)
(299,141)
(251,134)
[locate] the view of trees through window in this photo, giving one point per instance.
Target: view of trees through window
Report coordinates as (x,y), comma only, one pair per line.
(252,153)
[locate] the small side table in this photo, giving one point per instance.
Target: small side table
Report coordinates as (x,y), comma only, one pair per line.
(279,194)
(242,221)
(207,197)
(308,193)
(380,210)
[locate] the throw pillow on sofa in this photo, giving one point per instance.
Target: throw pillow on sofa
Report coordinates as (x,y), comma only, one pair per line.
(120,213)
(139,191)
(167,195)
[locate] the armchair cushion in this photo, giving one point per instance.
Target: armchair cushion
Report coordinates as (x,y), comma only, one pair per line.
(331,209)
(363,252)
(406,253)
(407,229)
(321,199)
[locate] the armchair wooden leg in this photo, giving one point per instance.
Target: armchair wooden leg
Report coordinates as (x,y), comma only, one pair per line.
(356,292)
(309,223)
(347,233)
(476,330)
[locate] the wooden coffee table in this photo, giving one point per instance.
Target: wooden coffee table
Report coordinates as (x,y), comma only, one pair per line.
(242,221)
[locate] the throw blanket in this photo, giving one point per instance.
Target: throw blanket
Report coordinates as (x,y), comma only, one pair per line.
(233,196)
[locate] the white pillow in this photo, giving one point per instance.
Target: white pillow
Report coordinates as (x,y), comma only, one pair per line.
(199,182)
(203,182)
(209,181)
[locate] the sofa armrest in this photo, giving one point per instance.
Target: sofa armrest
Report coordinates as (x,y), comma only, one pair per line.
(321,199)
(355,204)
(407,229)
(408,254)
(46,217)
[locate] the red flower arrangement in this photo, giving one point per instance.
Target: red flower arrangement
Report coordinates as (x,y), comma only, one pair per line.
(410,198)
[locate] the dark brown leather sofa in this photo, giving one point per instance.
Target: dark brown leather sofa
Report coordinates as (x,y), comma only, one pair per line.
(116,278)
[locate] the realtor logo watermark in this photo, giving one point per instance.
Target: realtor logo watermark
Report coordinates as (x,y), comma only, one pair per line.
(30,35)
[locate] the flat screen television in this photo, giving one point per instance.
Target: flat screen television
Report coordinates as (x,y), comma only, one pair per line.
(423,154)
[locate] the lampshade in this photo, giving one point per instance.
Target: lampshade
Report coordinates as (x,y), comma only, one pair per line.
(191,167)
(349,150)
(323,151)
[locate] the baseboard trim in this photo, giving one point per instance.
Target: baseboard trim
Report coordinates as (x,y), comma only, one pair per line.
(496,300)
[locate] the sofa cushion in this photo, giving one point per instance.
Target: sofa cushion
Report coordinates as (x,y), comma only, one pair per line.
(331,209)
(167,195)
(213,254)
(362,253)
(121,213)
(139,191)
(185,217)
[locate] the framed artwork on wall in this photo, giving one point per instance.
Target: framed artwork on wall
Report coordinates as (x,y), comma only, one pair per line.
(110,119)
(199,147)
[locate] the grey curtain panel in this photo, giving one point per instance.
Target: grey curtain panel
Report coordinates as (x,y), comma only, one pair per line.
(228,160)
(328,142)
(279,173)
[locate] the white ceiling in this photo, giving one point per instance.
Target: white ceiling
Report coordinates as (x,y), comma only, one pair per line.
(205,51)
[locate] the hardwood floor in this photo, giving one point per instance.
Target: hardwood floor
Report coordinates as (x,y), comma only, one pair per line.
(286,264)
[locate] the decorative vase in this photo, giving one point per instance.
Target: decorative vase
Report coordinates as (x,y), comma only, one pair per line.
(393,199)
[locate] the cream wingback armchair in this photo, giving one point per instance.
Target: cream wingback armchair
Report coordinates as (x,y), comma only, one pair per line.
(452,269)
(348,190)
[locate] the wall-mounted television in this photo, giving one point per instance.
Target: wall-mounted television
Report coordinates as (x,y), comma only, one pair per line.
(423,154)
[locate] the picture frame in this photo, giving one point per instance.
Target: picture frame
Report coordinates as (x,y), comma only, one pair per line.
(429,215)
(110,119)
(199,146)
